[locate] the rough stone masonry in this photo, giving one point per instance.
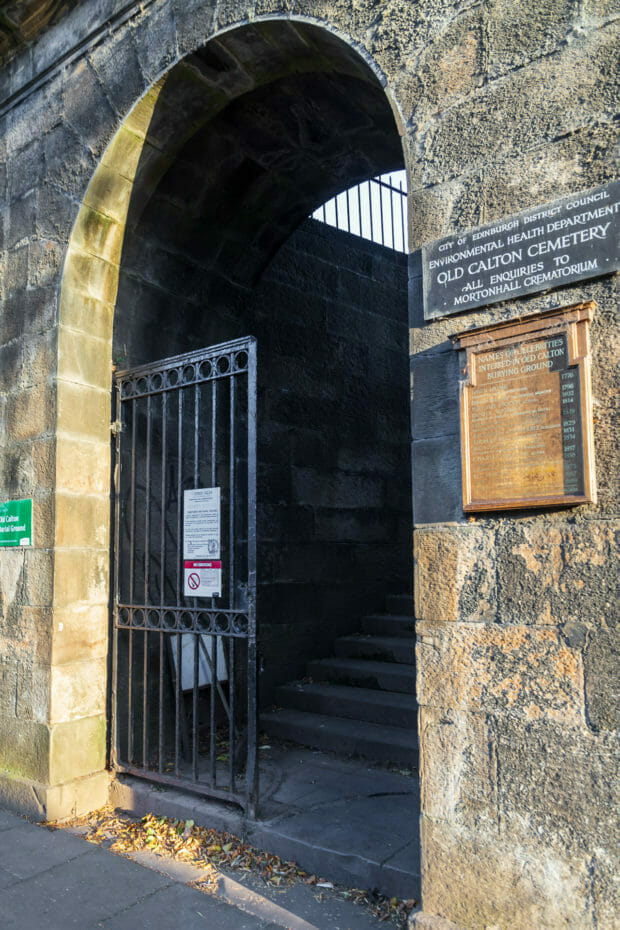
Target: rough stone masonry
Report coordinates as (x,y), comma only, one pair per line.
(498,106)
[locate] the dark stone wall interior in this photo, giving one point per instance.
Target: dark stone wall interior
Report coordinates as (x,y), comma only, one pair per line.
(334,520)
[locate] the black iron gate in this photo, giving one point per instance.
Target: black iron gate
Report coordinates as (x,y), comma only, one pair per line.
(184,687)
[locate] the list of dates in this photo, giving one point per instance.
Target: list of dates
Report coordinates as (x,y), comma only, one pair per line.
(524,423)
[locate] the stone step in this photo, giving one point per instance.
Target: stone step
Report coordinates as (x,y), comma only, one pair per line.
(388,625)
(390,708)
(338,734)
(399,604)
(379,648)
(385,676)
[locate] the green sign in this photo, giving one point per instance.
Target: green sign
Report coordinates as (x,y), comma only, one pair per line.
(16,523)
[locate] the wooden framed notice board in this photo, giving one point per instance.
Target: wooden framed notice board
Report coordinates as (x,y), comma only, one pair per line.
(526,412)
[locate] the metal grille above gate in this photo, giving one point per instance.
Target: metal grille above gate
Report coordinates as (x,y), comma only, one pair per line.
(184,667)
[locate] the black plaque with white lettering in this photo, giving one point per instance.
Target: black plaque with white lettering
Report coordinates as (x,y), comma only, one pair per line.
(568,240)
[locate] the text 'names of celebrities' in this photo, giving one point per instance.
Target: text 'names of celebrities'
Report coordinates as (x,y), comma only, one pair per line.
(568,240)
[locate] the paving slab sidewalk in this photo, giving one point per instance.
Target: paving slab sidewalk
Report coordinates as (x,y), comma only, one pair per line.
(54,879)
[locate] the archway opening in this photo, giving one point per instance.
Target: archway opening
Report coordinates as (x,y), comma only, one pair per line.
(198,217)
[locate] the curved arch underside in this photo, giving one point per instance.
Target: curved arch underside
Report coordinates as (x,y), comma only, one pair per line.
(249,135)
(225,156)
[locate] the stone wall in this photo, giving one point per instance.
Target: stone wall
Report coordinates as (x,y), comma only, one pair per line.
(518,723)
(334,518)
(500,106)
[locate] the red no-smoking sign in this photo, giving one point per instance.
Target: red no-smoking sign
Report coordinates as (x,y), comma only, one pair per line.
(203,578)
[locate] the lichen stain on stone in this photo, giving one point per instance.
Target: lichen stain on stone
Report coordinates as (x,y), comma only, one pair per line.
(567,664)
(533,712)
(520,670)
(458,65)
(511,688)
(550,560)
(476,594)
(532,559)
(549,575)
(594,556)
(545,616)
(513,639)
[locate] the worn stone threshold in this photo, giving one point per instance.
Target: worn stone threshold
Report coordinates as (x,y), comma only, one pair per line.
(350,821)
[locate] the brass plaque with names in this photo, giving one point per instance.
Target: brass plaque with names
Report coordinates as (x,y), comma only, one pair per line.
(526,412)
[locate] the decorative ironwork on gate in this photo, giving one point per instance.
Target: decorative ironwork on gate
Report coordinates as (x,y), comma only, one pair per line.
(184,687)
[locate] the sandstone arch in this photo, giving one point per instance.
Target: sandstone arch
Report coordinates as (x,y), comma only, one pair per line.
(342,131)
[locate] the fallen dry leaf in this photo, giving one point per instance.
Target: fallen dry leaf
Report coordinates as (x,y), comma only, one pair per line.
(211,850)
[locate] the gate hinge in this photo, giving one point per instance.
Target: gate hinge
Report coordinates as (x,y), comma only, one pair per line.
(116,427)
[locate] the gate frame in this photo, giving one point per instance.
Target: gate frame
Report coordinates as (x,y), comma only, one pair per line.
(249,800)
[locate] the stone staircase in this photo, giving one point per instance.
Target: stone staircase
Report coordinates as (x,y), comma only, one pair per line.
(362,700)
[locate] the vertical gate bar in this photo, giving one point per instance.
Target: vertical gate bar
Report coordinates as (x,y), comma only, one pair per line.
(212,690)
(129,691)
(402,218)
(196,428)
(372,225)
(132,541)
(147,557)
(195,710)
(252,766)
(145,674)
(160,749)
(212,705)
(381,200)
(114,748)
(213,433)
(147,503)
(162,540)
(162,573)
(132,504)
(231,498)
(178,704)
(231,581)
(231,705)
(178,697)
(391,195)
(179,492)
(195,601)
(348,212)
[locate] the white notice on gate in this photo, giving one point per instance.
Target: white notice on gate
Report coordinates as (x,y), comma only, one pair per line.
(201,524)
(203,578)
